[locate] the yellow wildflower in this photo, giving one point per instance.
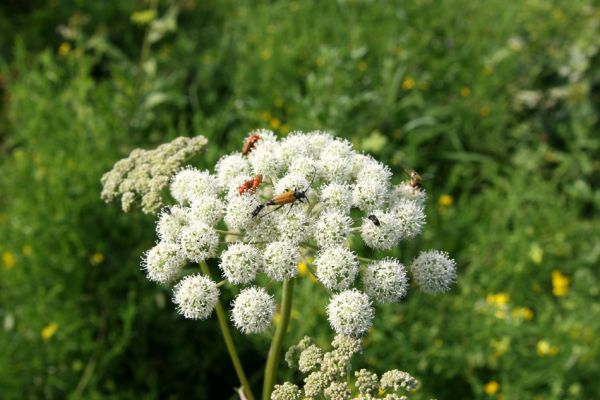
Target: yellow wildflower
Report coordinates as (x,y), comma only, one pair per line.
(408,84)
(498,299)
(8,259)
(491,388)
(522,313)
(27,250)
(445,200)
(485,111)
(543,348)
(275,123)
(501,346)
(560,284)
(536,254)
(97,258)
(143,17)
(465,91)
(362,66)
(303,269)
(500,314)
(49,330)
(64,49)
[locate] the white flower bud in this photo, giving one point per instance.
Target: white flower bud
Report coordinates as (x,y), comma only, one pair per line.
(206,209)
(337,267)
(411,218)
(231,166)
(190,183)
(240,263)
(170,222)
(381,230)
(163,262)
(198,241)
(281,260)
(386,281)
(238,214)
(196,296)
(332,228)
(286,391)
(396,380)
(253,310)
(350,313)
(434,271)
(337,196)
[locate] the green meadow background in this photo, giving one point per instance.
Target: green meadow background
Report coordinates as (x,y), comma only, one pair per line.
(497,102)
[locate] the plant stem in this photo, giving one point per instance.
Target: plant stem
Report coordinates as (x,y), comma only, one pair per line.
(229,232)
(275,351)
(235,359)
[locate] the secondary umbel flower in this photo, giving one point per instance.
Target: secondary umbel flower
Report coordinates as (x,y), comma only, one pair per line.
(163,262)
(410,216)
(310,358)
(396,380)
(253,310)
(434,271)
(337,196)
(170,222)
(386,281)
(286,391)
(337,267)
(239,211)
(198,241)
(196,296)
(206,209)
(281,260)
(381,230)
(240,263)
(350,313)
(190,183)
(230,167)
(332,228)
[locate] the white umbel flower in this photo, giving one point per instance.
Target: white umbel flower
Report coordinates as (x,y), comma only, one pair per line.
(434,271)
(170,222)
(206,209)
(337,196)
(266,158)
(404,190)
(337,267)
(238,214)
(240,263)
(190,183)
(294,224)
(230,167)
(198,241)
(381,230)
(286,391)
(196,296)
(369,195)
(281,260)
(293,182)
(163,262)
(253,310)
(332,228)
(350,313)
(335,168)
(410,216)
(386,281)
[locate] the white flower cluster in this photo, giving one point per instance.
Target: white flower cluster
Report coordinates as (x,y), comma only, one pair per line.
(281,200)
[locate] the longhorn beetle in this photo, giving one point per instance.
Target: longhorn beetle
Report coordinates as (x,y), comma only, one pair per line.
(287,197)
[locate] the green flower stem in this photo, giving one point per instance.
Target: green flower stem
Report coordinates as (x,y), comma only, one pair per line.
(235,359)
(222,232)
(275,350)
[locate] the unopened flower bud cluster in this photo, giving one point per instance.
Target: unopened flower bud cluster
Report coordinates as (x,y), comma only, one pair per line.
(333,193)
(329,374)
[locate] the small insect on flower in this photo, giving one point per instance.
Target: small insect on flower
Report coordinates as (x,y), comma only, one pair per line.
(415,180)
(287,197)
(375,220)
(250,185)
(250,142)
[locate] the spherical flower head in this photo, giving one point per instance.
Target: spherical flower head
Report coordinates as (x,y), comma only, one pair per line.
(296,145)
(337,196)
(263,228)
(238,214)
(206,209)
(170,222)
(347,345)
(369,195)
(405,190)
(310,358)
(381,230)
(367,382)
(266,158)
(315,383)
(230,167)
(286,391)
(411,218)
(350,313)
(373,170)
(338,391)
(190,183)
(338,147)
(337,267)
(240,263)
(317,141)
(253,310)
(434,271)
(396,380)
(335,168)
(163,262)
(198,241)
(196,296)
(281,260)
(293,182)
(293,224)
(332,228)
(386,281)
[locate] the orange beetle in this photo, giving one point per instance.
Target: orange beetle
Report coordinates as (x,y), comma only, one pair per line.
(251,184)
(287,197)
(250,142)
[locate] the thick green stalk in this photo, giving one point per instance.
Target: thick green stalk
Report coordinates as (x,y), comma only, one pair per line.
(275,351)
(235,359)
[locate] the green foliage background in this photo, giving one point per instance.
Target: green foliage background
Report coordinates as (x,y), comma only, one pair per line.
(497,101)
